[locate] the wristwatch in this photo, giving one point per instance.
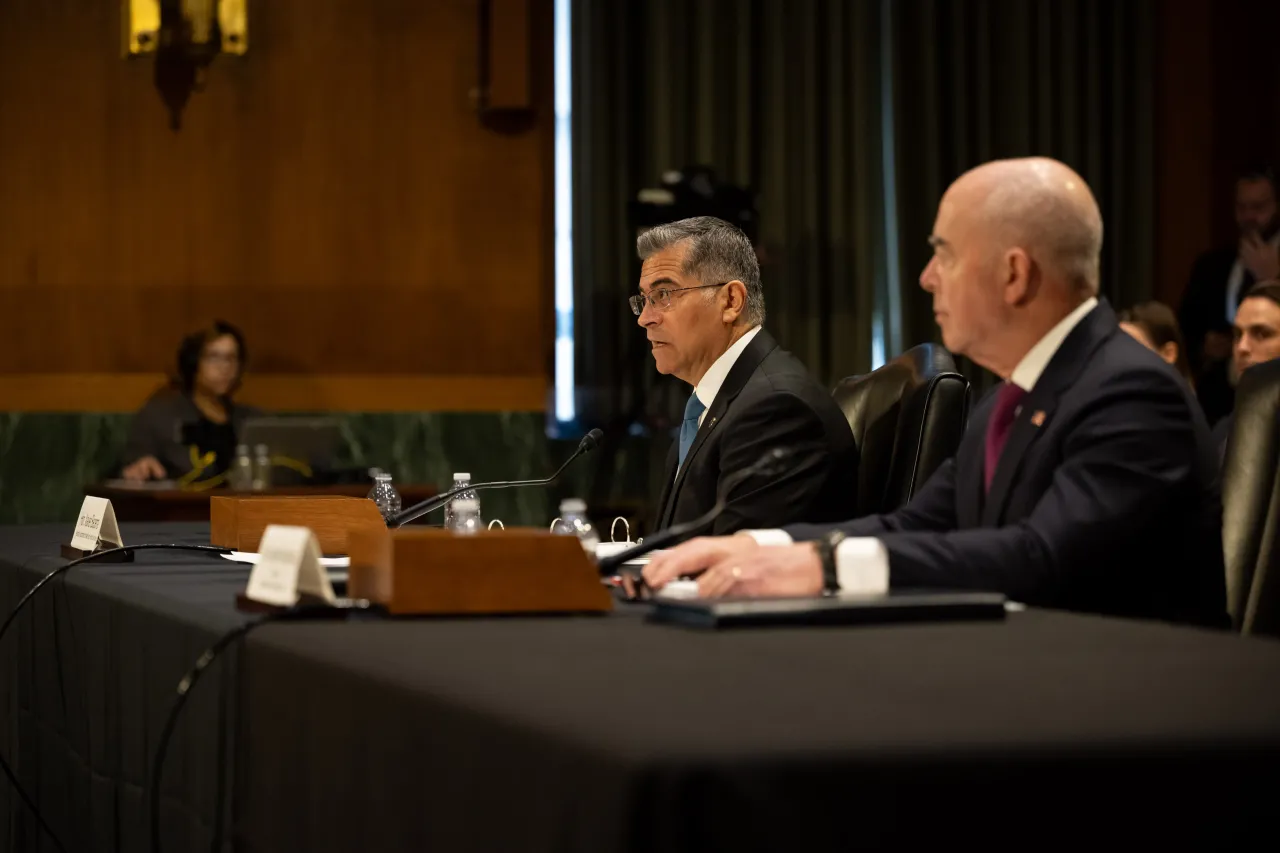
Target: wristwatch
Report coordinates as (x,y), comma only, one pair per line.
(826,548)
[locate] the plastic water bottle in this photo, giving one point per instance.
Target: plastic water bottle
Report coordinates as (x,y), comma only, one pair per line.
(466,517)
(261,468)
(460,480)
(385,495)
(240,476)
(573,522)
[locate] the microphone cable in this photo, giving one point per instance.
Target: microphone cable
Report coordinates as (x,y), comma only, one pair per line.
(323,610)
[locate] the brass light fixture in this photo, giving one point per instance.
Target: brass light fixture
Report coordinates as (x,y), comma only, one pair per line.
(184,36)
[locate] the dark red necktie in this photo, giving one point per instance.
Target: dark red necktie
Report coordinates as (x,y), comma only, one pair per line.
(1008,398)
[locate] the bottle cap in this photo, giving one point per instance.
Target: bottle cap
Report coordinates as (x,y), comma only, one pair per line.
(573,505)
(462,476)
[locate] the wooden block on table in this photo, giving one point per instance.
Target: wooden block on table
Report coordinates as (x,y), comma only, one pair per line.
(239,522)
(429,571)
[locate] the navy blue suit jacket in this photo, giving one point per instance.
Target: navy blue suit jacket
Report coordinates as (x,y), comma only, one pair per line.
(1106,497)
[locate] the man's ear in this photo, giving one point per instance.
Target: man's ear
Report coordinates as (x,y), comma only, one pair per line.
(1016,271)
(733,301)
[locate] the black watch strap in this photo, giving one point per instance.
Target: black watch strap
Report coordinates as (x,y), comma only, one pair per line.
(827,546)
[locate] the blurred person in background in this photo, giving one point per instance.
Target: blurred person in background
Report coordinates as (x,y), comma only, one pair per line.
(1218,282)
(1255,339)
(189,430)
(1155,326)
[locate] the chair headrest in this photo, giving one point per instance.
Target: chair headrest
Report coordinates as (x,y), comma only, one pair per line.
(864,398)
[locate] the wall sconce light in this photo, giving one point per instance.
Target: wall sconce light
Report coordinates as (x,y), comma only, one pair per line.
(184,36)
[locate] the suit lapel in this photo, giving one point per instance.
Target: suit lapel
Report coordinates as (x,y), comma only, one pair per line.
(969,488)
(666,501)
(1038,406)
(761,345)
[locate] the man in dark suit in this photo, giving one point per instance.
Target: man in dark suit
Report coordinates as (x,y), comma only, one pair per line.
(1086,481)
(1256,339)
(702,307)
(1220,278)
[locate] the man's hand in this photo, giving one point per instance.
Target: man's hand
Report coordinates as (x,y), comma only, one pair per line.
(694,557)
(1261,258)
(776,571)
(146,468)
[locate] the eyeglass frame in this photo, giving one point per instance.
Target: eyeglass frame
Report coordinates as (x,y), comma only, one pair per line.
(639,300)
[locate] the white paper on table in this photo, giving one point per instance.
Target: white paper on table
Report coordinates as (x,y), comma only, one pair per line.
(252,559)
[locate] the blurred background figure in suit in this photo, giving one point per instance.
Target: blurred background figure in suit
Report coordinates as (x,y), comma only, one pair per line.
(1220,279)
(1154,325)
(1255,339)
(189,429)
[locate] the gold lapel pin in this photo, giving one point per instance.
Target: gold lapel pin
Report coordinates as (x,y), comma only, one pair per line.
(1037,419)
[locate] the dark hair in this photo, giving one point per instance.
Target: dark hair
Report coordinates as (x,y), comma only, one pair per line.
(192,349)
(1261,172)
(1265,290)
(1158,322)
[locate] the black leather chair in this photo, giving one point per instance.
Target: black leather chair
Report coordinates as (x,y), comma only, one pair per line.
(1251,503)
(907,418)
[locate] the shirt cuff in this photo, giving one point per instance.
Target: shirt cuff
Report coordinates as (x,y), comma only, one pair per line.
(769,537)
(862,566)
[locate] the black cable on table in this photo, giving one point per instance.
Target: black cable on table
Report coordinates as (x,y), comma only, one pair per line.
(40,584)
(188,682)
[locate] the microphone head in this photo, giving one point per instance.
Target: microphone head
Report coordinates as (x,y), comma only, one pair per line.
(591,440)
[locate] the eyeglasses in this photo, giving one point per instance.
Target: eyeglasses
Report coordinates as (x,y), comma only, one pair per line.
(661,297)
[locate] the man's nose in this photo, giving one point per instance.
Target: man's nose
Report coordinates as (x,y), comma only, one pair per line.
(649,316)
(927,276)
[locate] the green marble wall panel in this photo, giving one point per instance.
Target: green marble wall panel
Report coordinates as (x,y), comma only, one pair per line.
(46,459)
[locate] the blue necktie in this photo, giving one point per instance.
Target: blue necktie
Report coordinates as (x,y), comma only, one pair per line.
(689,429)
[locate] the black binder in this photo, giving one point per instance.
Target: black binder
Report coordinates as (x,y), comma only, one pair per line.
(898,606)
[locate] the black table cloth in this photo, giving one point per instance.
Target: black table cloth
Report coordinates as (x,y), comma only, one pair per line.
(1045,731)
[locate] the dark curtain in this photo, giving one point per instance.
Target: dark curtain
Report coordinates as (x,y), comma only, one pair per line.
(976,80)
(779,95)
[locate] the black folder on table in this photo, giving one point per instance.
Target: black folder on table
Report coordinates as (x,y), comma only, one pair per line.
(903,606)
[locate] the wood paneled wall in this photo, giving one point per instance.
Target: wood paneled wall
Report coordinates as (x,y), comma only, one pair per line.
(334,193)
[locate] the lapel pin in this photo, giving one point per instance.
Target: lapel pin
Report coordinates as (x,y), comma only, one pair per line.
(1037,419)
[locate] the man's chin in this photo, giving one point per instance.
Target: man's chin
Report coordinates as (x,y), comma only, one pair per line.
(662,364)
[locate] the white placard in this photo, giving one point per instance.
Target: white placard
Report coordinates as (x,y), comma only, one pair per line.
(252,558)
(288,566)
(96,526)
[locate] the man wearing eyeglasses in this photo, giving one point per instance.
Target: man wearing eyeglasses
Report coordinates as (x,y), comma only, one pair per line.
(701,306)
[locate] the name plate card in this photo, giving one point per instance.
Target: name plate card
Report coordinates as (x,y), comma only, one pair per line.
(96,529)
(288,568)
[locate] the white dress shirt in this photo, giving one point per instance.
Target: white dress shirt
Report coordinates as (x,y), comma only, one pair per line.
(709,386)
(862,563)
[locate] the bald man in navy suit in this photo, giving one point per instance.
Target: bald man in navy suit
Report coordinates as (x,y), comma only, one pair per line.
(1087,480)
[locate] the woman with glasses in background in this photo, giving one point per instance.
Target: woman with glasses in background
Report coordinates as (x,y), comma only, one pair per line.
(189,430)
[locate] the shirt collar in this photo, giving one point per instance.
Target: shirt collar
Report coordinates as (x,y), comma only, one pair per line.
(1033,364)
(709,387)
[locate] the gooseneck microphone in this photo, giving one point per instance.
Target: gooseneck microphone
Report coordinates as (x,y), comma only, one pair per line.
(771,464)
(589,442)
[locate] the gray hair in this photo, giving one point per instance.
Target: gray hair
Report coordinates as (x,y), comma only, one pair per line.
(718,252)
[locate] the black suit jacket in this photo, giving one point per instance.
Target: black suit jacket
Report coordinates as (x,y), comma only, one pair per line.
(1106,497)
(768,400)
